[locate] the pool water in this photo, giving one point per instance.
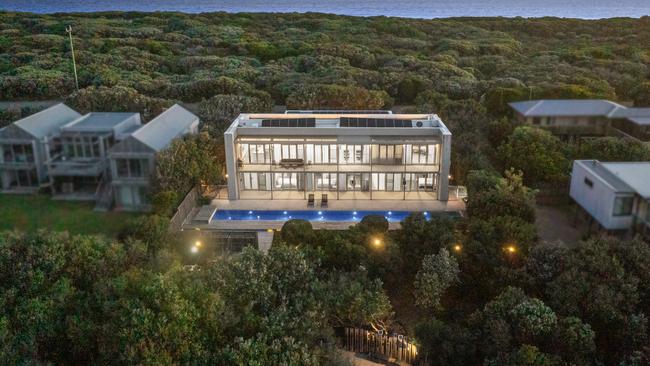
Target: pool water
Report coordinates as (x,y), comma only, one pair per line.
(310,215)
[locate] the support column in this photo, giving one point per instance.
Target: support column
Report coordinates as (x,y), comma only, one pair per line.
(231,164)
(445,162)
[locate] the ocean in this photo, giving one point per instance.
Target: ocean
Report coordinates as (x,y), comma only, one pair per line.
(585,9)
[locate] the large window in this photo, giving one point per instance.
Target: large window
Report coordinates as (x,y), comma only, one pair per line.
(354,154)
(255,153)
(17,153)
(389,182)
(256,181)
(132,168)
(387,154)
(623,206)
(287,151)
(421,154)
(420,182)
(81,147)
(320,154)
(321,181)
(288,181)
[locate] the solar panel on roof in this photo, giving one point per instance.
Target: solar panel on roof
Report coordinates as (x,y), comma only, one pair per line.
(374,122)
(289,122)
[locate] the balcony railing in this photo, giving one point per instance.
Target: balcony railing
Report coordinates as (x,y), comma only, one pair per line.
(88,168)
(17,165)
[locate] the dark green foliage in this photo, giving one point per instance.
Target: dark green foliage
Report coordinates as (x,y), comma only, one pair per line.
(87,300)
(297,232)
(491,196)
(218,112)
(337,97)
(374,224)
(117,99)
(348,60)
(537,153)
(419,237)
(612,149)
(164,202)
(193,161)
(152,230)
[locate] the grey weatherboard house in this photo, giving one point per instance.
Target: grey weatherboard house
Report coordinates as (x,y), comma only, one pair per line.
(132,160)
(575,118)
(78,164)
(25,148)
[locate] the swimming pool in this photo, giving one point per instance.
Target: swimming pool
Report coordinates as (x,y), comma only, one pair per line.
(312,215)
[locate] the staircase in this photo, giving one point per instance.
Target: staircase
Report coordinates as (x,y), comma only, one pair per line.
(104,197)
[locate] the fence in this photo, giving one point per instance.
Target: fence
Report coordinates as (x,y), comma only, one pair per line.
(394,348)
(184,209)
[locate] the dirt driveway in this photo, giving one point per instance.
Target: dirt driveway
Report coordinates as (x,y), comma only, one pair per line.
(556,223)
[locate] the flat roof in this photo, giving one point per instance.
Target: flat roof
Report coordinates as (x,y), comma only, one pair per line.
(98,122)
(341,120)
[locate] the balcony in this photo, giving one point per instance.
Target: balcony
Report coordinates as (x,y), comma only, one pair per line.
(16,165)
(87,168)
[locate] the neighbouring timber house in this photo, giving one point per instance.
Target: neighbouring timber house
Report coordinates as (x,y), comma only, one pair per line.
(103,157)
(78,162)
(25,148)
(132,161)
(570,119)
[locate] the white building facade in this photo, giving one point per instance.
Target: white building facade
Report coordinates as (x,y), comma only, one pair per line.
(616,195)
(346,155)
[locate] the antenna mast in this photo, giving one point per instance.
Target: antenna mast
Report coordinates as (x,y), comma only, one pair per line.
(68,29)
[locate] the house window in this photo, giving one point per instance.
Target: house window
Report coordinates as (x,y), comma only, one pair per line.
(536,120)
(589,182)
(132,168)
(623,206)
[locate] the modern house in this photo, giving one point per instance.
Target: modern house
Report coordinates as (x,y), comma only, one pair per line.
(615,195)
(344,155)
(132,160)
(78,155)
(24,149)
(570,119)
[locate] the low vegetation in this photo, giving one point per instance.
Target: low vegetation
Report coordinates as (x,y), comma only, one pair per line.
(35,212)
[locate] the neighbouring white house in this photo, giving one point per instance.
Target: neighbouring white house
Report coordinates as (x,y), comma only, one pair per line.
(615,195)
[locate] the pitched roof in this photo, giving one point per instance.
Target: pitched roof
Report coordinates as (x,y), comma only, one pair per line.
(47,121)
(635,175)
(566,107)
(643,121)
(632,112)
(98,121)
(160,131)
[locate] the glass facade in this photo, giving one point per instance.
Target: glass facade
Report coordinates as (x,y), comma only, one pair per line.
(286,168)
